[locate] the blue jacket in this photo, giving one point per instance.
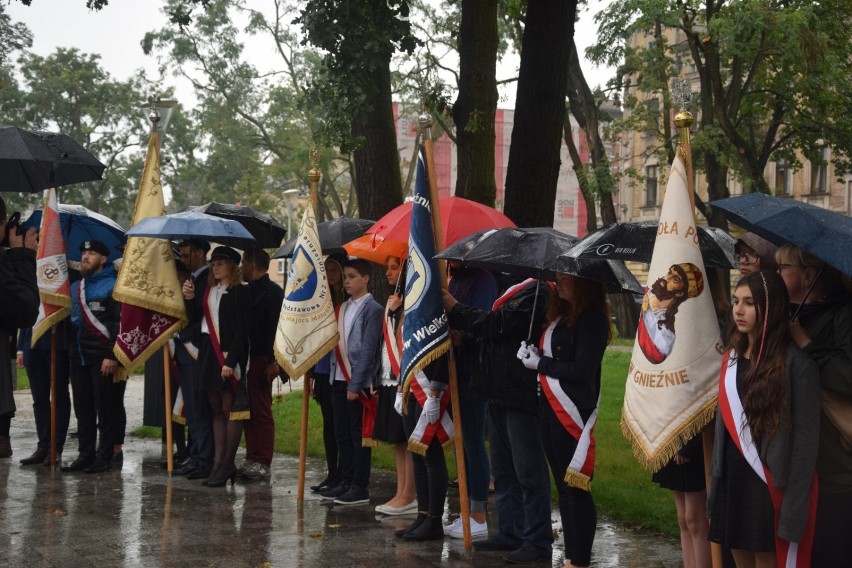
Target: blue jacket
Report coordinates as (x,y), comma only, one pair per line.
(363,346)
(86,346)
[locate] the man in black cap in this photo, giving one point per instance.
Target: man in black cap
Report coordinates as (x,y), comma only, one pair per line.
(98,395)
(199,415)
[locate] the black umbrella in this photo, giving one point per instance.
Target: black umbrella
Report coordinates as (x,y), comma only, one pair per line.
(332,235)
(823,233)
(194,225)
(31,161)
(635,241)
(267,232)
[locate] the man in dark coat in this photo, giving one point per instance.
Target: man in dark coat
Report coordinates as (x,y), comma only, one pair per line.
(266,299)
(18,308)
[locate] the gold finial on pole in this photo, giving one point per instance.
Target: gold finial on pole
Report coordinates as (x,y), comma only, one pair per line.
(314,176)
(425,121)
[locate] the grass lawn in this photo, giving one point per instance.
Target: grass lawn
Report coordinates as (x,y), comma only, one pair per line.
(23,379)
(623,491)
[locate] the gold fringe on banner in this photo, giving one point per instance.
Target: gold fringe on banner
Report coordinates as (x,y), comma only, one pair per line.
(433,355)
(675,441)
(240,415)
(296,372)
(417,447)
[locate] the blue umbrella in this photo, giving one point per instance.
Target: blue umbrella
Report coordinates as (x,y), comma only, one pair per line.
(823,233)
(193,225)
(80,224)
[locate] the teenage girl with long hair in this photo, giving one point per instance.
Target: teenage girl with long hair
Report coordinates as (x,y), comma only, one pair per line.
(762,495)
(569,367)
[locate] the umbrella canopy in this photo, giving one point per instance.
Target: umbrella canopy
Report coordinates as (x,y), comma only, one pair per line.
(32,161)
(459,218)
(376,249)
(81,224)
(535,252)
(193,225)
(333,235)
(823,233)
(267,232)
(635,241)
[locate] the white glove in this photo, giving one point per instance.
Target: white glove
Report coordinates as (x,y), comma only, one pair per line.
(528,354)
(397,404)
(432,408)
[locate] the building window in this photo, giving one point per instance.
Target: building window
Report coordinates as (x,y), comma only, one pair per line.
(819,173)
(650,186)
(282,264)
(783,178)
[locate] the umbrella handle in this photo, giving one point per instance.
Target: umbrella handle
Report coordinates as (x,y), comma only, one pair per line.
(808,293)
(535,303)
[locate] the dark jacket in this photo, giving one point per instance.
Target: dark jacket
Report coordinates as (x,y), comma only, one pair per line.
(18,309)
(266,299)
(476,288)
(86,347)
(42,346)
(576,363)
(829,325)
(192,331)
(503,379)
(791,454)
(234,310)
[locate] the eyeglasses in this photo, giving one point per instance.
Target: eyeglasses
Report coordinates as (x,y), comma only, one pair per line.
(747,257)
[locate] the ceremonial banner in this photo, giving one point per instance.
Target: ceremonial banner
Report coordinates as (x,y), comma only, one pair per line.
(672,381)
(147,285)
(54,287)
(425,331)
(307,328)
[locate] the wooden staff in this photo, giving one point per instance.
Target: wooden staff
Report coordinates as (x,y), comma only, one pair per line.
(167,415)
(313,177)
(426,127)
(53,396)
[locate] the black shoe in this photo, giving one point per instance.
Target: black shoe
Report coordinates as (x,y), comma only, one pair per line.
(182,461)
(355,496)
(222,478)
(493,544)
(335,493)
(430,529)
(79,464)
(527,556)
(184,470)
(37,457)
(99,466)
(421,517)
(46,462)
(198,473)
(118,458)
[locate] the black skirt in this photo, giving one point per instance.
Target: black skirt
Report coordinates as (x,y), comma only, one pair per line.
(688,477)
(211,379)
(388,427)
(743,517)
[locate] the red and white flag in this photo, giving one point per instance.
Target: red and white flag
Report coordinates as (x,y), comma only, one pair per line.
(54,287)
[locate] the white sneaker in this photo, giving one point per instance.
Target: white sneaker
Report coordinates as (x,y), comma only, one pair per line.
(455,530)
(256,471)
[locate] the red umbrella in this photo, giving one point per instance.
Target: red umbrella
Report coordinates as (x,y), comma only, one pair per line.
(459,218)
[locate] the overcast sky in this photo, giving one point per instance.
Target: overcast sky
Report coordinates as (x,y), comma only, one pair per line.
(116,32)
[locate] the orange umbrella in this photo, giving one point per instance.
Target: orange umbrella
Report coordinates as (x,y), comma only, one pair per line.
(376,249)
(459,218)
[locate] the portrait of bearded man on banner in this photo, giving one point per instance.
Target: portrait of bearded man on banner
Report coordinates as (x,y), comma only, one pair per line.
(656,334)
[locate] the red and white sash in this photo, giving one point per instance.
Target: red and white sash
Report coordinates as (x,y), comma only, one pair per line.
(788,554)
(582,465)
(211,316)
(509,293)
(424,432)
(393,343)
(368,419)
(89,319)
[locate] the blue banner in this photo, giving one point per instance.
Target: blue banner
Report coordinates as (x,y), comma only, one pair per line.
(425,331)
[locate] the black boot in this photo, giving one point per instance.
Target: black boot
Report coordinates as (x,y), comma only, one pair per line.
(417,522)
(430,529)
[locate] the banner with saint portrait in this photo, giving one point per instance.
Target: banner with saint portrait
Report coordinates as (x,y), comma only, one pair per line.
(672,381)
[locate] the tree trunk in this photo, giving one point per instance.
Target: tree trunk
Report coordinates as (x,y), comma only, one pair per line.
(534,155)
(474,109)
(376,162)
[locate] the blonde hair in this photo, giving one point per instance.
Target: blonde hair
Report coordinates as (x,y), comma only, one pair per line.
(233,278)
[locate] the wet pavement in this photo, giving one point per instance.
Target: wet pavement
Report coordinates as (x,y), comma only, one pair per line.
(139,516)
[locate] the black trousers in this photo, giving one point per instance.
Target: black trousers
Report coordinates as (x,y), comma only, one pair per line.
(98,406)
(430,471)
(354,458)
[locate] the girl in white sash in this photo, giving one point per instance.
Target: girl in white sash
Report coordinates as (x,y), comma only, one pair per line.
(223,356)
(762,499)
(569,367)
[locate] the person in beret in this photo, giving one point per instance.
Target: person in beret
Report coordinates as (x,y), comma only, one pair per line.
(223,357)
